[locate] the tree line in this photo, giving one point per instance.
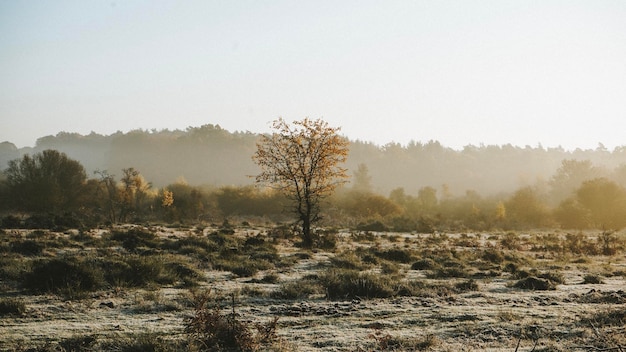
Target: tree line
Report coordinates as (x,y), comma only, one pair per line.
(210,155)
(49,189)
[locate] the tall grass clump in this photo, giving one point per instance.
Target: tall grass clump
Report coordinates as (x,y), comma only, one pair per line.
(68,276)
(349,284)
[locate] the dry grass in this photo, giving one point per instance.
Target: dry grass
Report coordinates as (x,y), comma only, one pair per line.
(165,289)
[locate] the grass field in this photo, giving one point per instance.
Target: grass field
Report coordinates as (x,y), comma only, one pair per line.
(252,288)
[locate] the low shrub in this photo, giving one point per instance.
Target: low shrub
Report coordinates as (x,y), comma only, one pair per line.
(135,238)
(67,276)
(610,317)
(348,284)
(27,247)
(12,306)
(444,273)
(372,226)
(493,256)
(535,283)
(396,255)
(593,279)
(211,330)
(11,222)
(424,264)
(466,286)
(348,260)
(78,344)
(299,289)
(144,342)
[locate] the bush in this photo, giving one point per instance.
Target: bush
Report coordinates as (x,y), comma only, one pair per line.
(299,289)
(77,344)
(535,283)
(40,221)
(424,264)
(11,222)
(210,330)
(593,279)
(135,238)
(146,342)
(12,306)
(27,247)
(67,276)
(373,226)
(396,255)
(348,284)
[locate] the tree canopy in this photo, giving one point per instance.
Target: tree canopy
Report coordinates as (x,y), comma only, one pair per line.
(303,160)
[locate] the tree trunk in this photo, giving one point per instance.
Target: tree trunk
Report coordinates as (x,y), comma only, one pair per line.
(307,237)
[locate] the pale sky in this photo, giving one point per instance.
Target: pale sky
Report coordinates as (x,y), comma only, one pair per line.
(461,72)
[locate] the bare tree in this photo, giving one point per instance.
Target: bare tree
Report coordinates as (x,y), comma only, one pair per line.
(303,160)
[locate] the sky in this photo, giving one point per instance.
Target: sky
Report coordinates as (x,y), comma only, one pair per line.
(544,72)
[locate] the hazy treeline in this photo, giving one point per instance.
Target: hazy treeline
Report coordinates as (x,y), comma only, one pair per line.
(210,155)
(202,174)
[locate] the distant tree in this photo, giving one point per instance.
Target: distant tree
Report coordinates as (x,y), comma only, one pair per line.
(133,190)
(570,214)
(606,202)
(569,177)
(526,209)
(46,182)
(427,197)
(303,161)
(108,195)
(362,179)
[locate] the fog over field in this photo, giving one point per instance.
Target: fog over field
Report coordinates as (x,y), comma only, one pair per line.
(211,155)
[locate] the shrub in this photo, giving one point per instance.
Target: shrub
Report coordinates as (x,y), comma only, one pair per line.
(493,256)
(448,272)
(135,238)
(298,289)
(27,247)
(77,344)
(211,330)
(535,283)
(348,260)
(40,221)
(593,279)
(466,286)
(12,306)
(396,255)
(68,276)
(418,288)
(424,264)
(556,278)
(145,342)
(348,284)
(373,226)
(11,222)
(612,317)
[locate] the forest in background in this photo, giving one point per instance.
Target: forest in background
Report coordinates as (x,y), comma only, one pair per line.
(419,186)
(210,155)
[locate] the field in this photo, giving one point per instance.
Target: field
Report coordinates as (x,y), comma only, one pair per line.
(252,288)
